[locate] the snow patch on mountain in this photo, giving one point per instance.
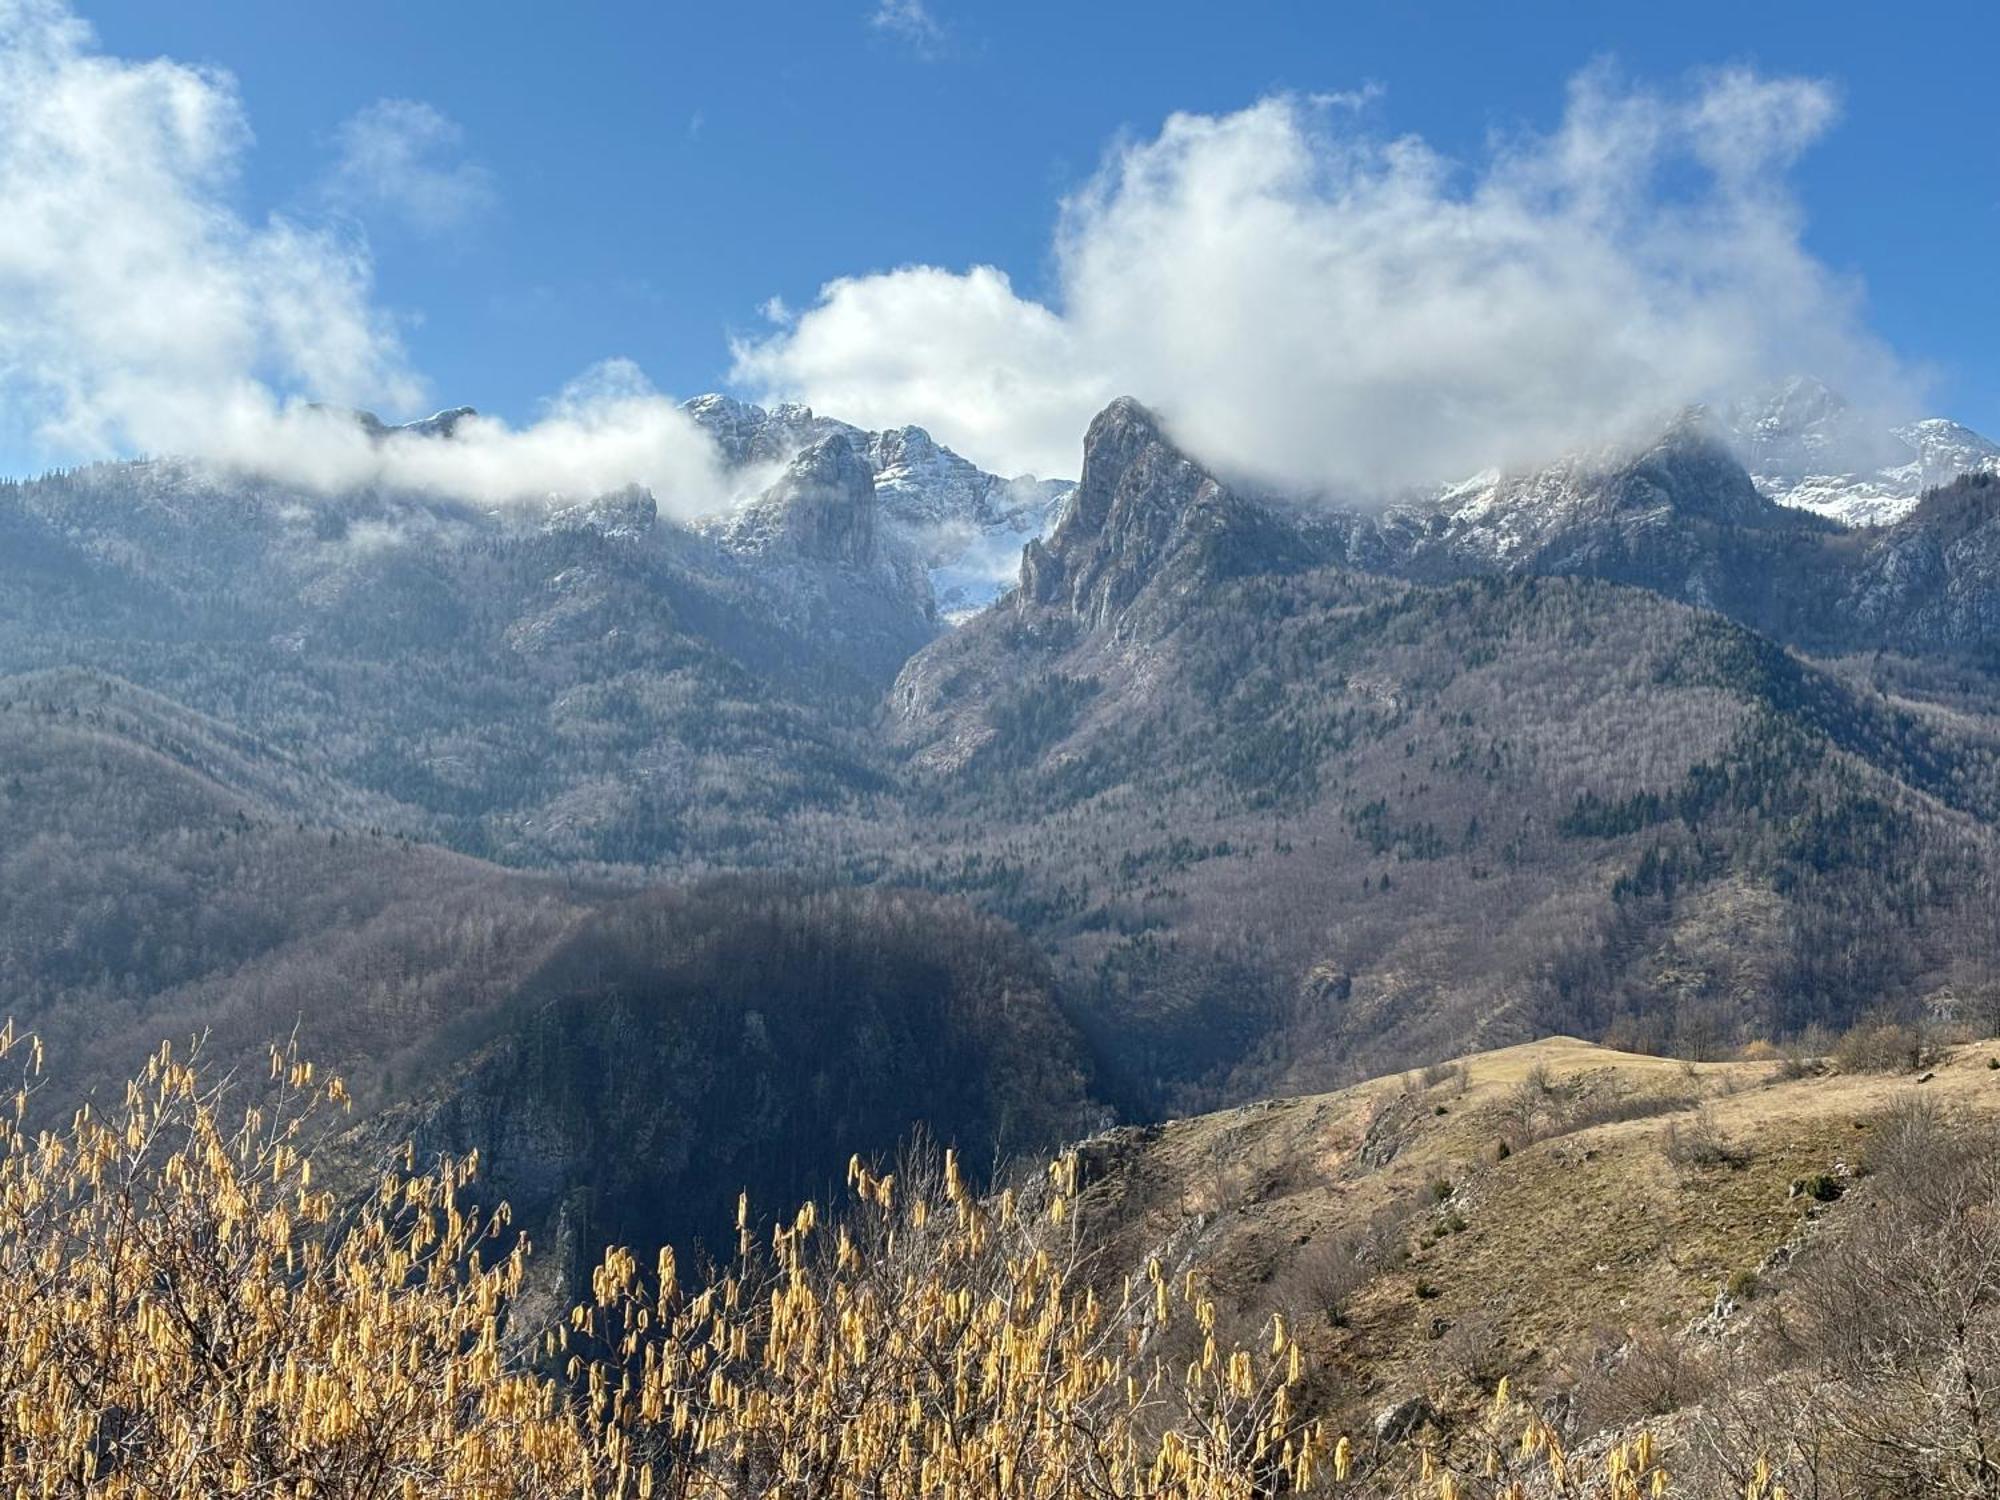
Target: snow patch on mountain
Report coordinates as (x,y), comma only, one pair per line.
(963,526)
(1804,446)
(1808,447)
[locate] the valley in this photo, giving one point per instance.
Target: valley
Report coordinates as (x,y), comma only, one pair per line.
(1251,818)
(935,751)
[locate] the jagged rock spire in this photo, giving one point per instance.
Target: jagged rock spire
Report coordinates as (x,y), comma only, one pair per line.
(1145,512)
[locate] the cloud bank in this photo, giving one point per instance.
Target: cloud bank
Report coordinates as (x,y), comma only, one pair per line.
(1318,306)
(605,430)
(1314,304)
(140,311)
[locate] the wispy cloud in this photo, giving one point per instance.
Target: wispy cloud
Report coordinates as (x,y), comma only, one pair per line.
(405,158)
(1357,99)
(1315,304)
(910,22)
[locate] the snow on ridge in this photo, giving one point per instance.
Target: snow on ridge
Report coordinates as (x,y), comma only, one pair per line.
(1807,447)
(964,526)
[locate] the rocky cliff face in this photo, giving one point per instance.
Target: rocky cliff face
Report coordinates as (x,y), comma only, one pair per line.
(822,561)
(749,434)
(822,508)
(1147,520)
(1931,582)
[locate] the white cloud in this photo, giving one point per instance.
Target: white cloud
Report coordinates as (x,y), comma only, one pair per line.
(141,312)
(403,157)
(910,21)
(129,289)
(607,429)
(962,354)
(1371,92)
(1316,306)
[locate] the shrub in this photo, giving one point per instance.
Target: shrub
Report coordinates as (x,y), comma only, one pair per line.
(1627,1379)
(183,1312)
(1326,1274)
(1879,1046)
(1889,1318)
(1699,1142)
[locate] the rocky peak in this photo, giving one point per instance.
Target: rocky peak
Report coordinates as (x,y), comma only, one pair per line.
(1689,471)
(909,448)
(1797,427)
(822,507)
(1946,450)
(1143,513)
(439,424)
(749,434)
(1692,469)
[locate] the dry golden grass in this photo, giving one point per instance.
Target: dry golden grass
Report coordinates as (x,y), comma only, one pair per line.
(1588,1236)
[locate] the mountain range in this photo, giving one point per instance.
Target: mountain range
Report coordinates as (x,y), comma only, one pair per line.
(1206,794)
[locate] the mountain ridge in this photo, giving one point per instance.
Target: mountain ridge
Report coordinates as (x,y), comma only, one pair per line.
(1281,795)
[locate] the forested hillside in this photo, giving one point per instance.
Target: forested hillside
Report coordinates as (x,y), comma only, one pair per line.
(1228,797)
(1284,817)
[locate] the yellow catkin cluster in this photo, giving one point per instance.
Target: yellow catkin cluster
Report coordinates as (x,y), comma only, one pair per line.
(1538,1466)
(184,1313)
(935,1344)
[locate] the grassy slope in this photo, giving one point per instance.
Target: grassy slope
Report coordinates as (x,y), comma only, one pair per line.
(1579,1241)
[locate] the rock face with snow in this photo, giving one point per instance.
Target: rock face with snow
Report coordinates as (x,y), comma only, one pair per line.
(439,424)
(749,434)
(822,507)
(1683,517)
(1809,448)
(815,543)
(968,526)
(1932,581)
(962,526)
(1616,502)
(622,515)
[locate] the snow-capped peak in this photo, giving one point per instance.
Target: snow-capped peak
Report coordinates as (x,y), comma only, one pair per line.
(964,526)
(1808,447)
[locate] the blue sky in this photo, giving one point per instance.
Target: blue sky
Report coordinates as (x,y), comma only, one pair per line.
(636,181)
